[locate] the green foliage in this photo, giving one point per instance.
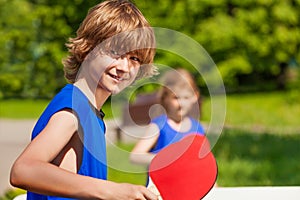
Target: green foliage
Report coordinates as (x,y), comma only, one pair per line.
(252,42)
(244,38)
(33,49)
(11,194)
(32,41)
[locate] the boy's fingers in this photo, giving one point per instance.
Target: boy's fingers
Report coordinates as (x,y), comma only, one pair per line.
(150,195)
(155,191)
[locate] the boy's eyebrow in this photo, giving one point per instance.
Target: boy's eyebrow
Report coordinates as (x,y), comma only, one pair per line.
(134,54)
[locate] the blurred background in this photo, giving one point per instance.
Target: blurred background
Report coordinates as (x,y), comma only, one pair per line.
(254,43)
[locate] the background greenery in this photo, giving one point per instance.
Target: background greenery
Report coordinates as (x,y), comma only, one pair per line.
(255,43)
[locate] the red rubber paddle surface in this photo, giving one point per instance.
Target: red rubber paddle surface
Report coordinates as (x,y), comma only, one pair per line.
(186,170)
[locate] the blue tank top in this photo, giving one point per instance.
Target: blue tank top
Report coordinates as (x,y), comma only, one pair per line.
(168,135)
(94,147)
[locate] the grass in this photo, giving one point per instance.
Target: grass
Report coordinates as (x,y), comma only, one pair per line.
(32,109)
(257,159)
(22,108)
(119,167)
(244,159)
(276,112)
(273,112)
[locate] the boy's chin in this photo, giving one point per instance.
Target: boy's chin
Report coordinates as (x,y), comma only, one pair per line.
(117,90)
(120,88)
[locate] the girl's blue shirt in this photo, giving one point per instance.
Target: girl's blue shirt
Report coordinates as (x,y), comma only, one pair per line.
(92,127)
(168,135)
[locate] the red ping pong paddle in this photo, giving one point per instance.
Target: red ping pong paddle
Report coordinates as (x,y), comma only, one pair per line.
(184,170)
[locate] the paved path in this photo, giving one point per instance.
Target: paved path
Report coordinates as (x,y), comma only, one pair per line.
(14,136)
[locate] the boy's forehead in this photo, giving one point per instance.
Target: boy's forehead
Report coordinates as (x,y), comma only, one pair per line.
(139,41)
(134,38)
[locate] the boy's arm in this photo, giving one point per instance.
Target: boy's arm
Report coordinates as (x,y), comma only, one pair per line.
(34,171)
(140,153)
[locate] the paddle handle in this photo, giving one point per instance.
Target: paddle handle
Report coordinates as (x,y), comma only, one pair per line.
(151,186)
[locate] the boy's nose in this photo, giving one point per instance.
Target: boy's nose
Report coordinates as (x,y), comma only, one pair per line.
(123,64)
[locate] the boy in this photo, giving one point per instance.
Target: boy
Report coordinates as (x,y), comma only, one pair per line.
(67,157)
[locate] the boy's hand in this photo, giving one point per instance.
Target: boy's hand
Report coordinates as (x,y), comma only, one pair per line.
(125,191)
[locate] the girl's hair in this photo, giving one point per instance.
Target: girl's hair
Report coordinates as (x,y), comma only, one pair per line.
(174,81)
(112,26)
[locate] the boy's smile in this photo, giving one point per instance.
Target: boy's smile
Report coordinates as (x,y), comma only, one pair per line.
(121,73)
(110,74)
(116,77)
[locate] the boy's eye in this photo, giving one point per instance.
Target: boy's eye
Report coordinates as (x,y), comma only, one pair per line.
(136,59)
(114,53)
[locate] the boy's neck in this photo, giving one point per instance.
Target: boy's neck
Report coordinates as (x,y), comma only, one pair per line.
(96,96)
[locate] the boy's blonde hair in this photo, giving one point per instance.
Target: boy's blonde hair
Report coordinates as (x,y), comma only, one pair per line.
(114,25)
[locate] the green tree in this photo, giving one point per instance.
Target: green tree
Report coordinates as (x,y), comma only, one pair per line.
(249,40)
(33,34)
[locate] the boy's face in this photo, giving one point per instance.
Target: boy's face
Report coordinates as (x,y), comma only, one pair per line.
(112,73)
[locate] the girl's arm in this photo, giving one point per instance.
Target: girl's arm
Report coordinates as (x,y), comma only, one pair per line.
(34,171)
(141,152)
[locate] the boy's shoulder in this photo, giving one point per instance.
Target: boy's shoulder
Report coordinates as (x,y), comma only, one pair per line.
(69,97)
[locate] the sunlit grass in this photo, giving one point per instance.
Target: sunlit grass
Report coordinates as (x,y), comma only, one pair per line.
(252,159)
(32,109)
(120,169)
(244,159)
(278,112)
(22,108)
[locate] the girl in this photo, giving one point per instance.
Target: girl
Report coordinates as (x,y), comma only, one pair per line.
(177,96)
